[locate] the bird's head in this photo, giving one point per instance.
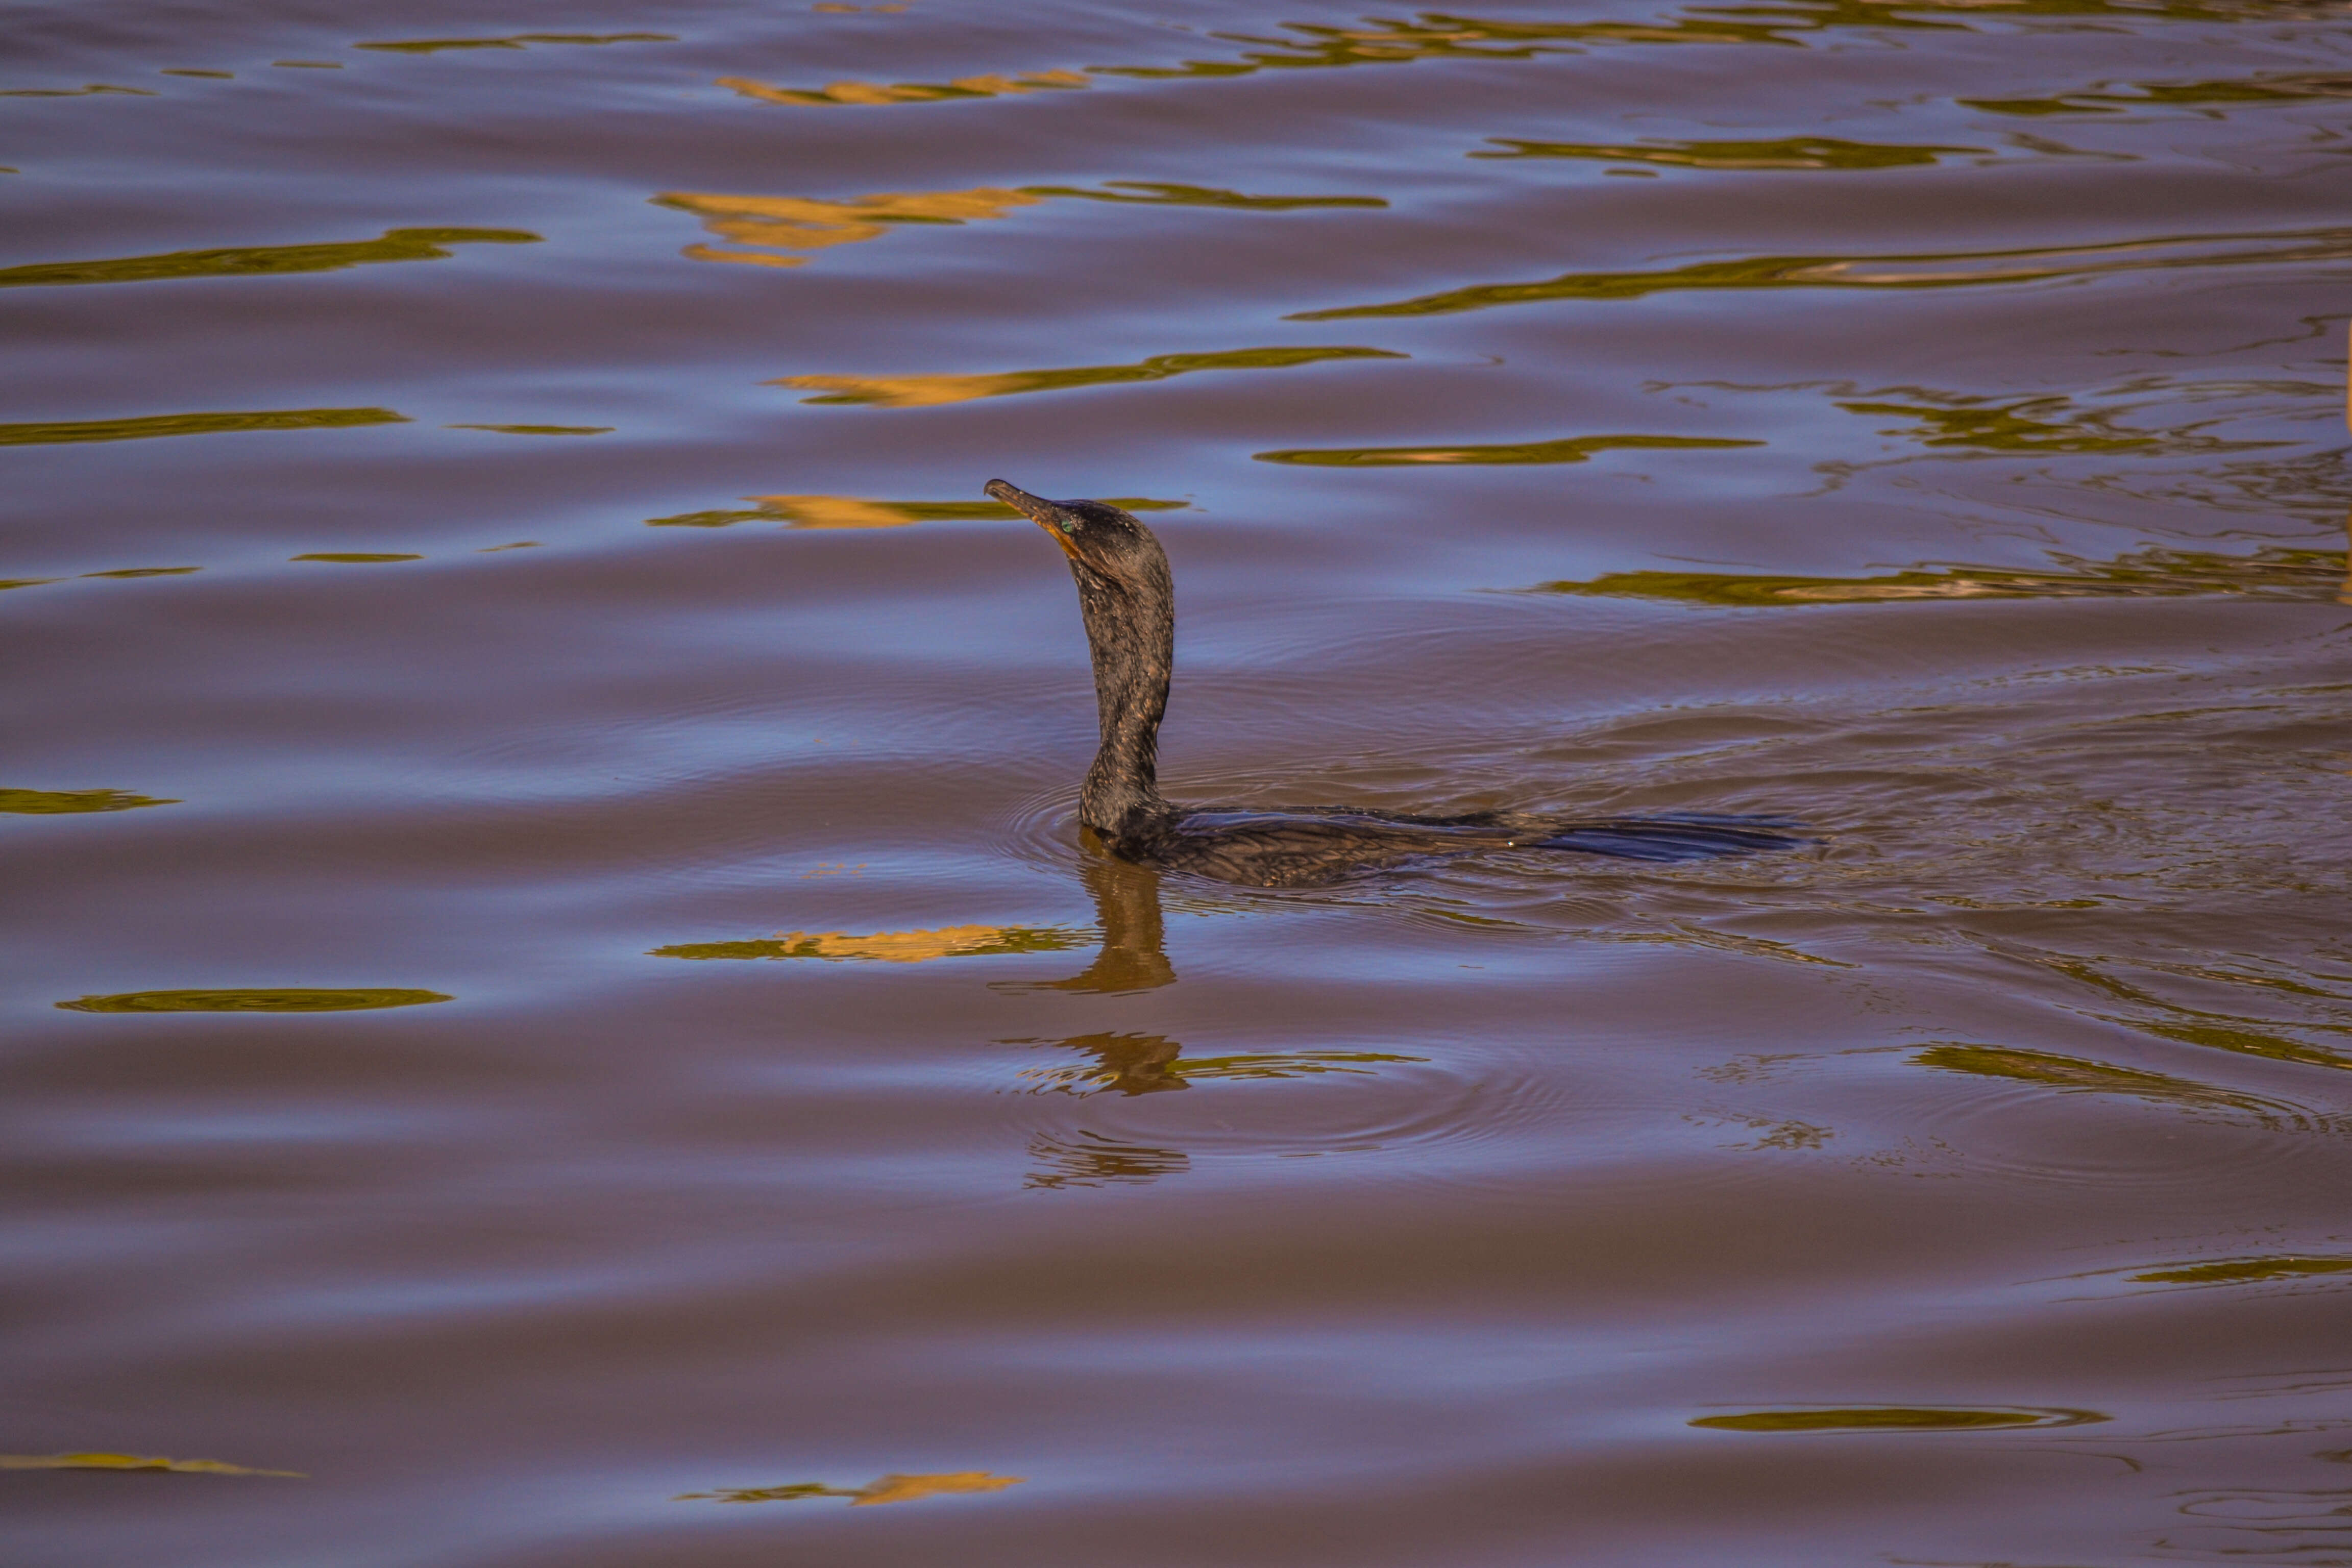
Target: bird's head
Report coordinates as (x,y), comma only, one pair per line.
(1099,539)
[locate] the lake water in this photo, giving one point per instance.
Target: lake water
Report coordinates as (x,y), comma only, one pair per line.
(555,992)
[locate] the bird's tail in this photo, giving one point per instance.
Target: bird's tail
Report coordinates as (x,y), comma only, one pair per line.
(1678,835)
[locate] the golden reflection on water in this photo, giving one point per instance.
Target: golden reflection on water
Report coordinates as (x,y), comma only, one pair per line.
(885,1488)
(132,1462)
(537,430)
(836,511)
(2250,1043)
(1433,36)
(56,431)
(67,802)
(517,41)
(2050,1071)
(886,946)
(1896,1418)
(1790,152)
(860,511)
(2245,1271)
(873,93)
(2240,1033)
(1568,449)
(355,557)
(1944,270)
(284,999)
(803,223)
(93,87)
(2048,423)
(767,225)
(2269,573)
(1157,193)
(262,260)
(2259,88)
(933,391)
(1437,36)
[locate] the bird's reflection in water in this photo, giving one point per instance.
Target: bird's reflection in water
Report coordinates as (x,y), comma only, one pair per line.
(1130,1063)
(1127,908)
(1090,1160)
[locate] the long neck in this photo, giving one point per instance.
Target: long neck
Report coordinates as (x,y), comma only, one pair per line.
(1131,628)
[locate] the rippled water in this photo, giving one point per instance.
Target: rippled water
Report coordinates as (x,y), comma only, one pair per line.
(555,991)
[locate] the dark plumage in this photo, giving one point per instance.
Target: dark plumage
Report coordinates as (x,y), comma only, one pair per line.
(1128,602)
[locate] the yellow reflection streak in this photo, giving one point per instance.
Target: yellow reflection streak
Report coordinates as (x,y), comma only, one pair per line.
(516,41)
(63,802)
(283,999)
(1926,271)
(2244,1270)
(802,223)
(1435,35)
(263,260)
(55,431)
(811,511)
(2271,572)
(884,946)
(537,429)
(906,1489)
(910,391)
(769,224)
(931,390)
(872,93)
(1390,43)
(2076,1074)
(893,1488)
(1571,450)
(1896,1418)
(838,511)
(95,87)
(132,1462)
(1790,152)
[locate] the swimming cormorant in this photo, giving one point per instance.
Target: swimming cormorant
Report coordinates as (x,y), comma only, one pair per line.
(1128,602)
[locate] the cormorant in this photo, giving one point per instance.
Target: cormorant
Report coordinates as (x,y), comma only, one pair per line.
(1128,602)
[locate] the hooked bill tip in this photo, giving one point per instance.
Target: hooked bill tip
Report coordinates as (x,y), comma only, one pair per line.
(1037,508)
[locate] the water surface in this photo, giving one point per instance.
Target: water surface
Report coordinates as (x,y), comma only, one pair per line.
(557,1011)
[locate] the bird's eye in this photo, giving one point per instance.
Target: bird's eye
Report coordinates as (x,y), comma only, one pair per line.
(1069,525)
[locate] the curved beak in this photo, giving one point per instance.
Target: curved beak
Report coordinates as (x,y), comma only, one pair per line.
(1046,514)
